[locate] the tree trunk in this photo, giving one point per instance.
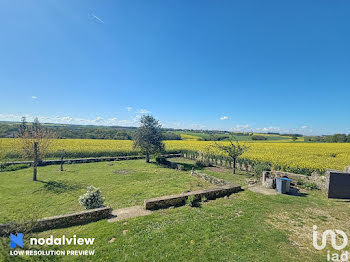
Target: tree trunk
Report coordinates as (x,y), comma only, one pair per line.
(35,163)
(62,163)
(147,157)
(234,166)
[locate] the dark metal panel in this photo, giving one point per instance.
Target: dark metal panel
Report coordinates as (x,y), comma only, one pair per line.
(339,185)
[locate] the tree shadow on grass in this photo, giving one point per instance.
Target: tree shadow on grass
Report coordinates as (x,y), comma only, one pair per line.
(296,192)
(188,166)
(59,187)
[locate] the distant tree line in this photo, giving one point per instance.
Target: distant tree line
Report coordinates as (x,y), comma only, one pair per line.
(337,138)
(10,130)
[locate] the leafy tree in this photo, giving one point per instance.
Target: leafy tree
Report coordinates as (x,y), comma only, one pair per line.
(294,138)
(22,127)
(258,137)
(233,150)
(34,143)
(148,136)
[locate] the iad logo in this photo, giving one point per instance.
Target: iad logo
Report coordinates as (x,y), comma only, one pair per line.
(16,240)
(333,239)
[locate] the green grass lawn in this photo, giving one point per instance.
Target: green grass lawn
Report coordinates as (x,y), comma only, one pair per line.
(240,178)
(247,226)
(122,183)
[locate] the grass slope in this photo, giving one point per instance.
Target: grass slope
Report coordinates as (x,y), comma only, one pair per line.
(247,226)
(124,183)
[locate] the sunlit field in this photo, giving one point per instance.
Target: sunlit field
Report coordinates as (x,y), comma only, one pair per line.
(301,155)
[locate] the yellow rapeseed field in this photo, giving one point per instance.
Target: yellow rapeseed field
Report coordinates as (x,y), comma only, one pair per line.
(301,155)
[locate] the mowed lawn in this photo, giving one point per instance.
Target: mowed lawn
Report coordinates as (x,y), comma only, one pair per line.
(247,226)
(122,183)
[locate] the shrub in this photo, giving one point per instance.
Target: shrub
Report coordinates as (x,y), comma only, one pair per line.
(5,168)
(259,168)
(307,185)
(92,198)
(202,163)
(191,201)
(257,137)
(160,160)
(180,167)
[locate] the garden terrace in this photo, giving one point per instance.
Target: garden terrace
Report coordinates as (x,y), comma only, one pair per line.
(122,183)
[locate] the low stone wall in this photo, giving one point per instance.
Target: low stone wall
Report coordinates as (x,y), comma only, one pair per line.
(223,163)
(87,160)
(61,221)
(322,181)
(180,199)
(168,164)
(210,179)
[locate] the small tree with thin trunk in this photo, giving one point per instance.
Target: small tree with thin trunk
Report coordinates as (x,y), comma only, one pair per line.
(233,150)
(148,137)
(63,152)
(34,142)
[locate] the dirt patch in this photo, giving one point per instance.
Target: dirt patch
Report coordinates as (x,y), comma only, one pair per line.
(262,190)
(122,171)
(128,212)
(218,169)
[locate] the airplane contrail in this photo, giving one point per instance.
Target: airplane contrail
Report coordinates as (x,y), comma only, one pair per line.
(98,19)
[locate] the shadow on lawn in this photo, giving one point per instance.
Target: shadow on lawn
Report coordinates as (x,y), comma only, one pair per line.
(296,192)
(188,166)
(59,187)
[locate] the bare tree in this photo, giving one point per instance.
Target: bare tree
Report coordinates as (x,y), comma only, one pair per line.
(233,150)
(34,143)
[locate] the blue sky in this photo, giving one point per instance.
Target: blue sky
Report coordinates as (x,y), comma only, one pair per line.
(235,65)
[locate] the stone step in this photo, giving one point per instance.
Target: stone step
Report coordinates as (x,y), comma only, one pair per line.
(128,212)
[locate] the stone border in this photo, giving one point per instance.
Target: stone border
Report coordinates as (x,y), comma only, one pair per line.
(210,179)
(180,199)
(61,221)
(322,181)
(86,160)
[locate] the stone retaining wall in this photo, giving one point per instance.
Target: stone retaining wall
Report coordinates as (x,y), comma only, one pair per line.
(86,160)
(180,199)
(322,181)
(61,221)
(210,179)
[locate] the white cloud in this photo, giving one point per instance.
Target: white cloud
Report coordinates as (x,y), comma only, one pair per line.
(135,119)
(70,120)
(143,111)
(197,126)
(240,128)
(129,108)
(224,118)
(98,119)
(34,97)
